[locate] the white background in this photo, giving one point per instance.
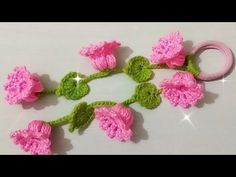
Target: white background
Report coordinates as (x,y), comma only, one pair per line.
(51,50)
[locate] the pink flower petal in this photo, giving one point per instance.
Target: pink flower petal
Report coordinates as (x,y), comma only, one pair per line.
(182,90)
(31,98)
(169,50)
(38,87)
(101,55)
(34,139)
(115,121)
(40,126)
(21,86)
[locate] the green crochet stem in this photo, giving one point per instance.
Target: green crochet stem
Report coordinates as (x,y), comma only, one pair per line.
(158,66)
(60,121)
(138,68)
(129,101)
(66,119)
(47,92)
(111,103)
(180,68)
(102,103)
(102,74)
(189,65)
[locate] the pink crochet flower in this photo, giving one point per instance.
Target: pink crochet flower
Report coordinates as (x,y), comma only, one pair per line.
(169,50)
(36,138)
(182,90)
(101,55)
(115,121)
(22,86)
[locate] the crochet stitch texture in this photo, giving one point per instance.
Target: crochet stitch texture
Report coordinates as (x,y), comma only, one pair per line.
(35,138)
(182,90)
(114,118)
(169,50)
(116,121)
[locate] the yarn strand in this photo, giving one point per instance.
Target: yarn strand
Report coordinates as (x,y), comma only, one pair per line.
(129,101)
(47,92)
(60,121)
(102,74)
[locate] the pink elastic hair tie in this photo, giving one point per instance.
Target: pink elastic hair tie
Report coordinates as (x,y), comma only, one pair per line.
(224,50)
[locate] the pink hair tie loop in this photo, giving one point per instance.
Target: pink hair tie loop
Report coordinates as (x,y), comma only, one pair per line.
(224,50)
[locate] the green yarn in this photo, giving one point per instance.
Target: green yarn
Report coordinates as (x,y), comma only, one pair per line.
(72,89)
(147,95)
(191,66)
(46,92)
(129,101)
(158,66)
(59,121)
(81,116)
(138,69)
(102,103)
(86,123)
(102,74)
(117,70)
(97,75)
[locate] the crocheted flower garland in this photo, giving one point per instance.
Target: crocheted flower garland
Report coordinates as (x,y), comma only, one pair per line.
(115,119)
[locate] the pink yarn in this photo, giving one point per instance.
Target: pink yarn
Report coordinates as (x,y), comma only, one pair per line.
(36,138)
(22,86)
(101,55)
(169,50)
(182,90)
(115,121)
(224,50)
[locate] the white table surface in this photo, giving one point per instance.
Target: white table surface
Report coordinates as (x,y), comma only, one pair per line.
(51,50)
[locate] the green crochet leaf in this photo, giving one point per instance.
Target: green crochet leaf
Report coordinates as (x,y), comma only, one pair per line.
(191,66)
(81,117)
(147,95)
(138,70)
(71,88)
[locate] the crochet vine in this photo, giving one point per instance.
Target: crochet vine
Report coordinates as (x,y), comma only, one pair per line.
(114,118)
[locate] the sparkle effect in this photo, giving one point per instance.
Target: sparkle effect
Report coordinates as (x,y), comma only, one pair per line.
(186,117)
(77,78)
(223,81)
